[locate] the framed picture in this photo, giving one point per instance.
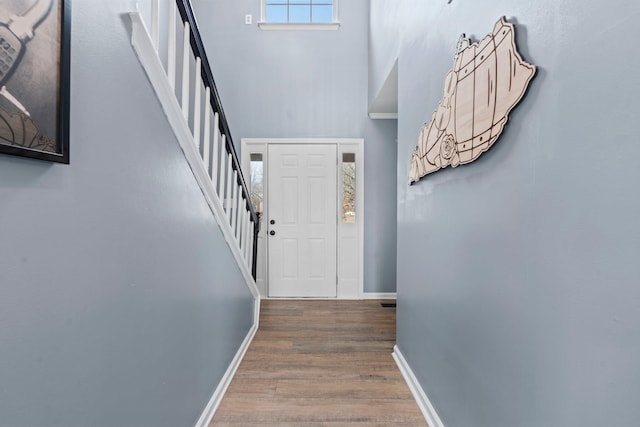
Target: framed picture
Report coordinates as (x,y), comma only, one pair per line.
(34,78)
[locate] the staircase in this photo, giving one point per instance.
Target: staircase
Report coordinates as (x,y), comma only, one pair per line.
(168,44)
(170,49)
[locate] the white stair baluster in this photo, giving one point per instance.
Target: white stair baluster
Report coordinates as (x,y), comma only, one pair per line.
(228,195)
(186,55)
(155,23)
(171,46)
(223,171)
(207,129)
(234,202)
(239,207)
(243,218)
(197,102)
(248,237)
(216,152)
(251,243)
(241,215)
(245,248)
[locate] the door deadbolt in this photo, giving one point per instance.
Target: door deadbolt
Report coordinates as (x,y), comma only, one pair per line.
(273,221)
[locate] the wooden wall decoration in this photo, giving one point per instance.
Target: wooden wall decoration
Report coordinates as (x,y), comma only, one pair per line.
(488,79)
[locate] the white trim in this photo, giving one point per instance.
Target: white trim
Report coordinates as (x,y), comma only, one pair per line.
(223,385)
(428,411)
(245,162)
(279,26)
(357,148)
(143,46)
(360,211)
(383,116)
(379,295)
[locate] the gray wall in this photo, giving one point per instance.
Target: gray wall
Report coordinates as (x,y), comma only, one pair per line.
(518,296)
(308,84)
(385,21)
(120,303)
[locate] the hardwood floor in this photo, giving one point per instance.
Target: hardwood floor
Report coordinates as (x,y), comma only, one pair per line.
(320,363)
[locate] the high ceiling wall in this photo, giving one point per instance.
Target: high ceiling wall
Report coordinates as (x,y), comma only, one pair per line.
(518,297)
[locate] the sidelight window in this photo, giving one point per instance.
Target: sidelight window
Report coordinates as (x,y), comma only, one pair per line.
(348,187)
(257,182)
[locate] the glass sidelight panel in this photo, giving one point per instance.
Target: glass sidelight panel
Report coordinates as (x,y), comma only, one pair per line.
(257,182)
(348,187)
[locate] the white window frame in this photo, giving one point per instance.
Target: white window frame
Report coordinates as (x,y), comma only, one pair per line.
(264,25)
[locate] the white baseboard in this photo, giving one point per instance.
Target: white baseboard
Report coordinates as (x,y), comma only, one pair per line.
(379,295)
(223,385)
(428,411)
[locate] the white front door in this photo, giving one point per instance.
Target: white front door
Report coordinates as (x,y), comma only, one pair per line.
(301,223)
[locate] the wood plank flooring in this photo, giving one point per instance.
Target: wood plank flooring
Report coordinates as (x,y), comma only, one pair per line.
(320,363)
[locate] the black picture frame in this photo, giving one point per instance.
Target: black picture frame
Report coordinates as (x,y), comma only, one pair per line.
(34,79)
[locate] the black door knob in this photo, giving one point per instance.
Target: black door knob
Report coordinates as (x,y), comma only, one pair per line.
(273,233)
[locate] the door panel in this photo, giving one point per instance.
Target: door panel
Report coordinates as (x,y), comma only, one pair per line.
(302,205)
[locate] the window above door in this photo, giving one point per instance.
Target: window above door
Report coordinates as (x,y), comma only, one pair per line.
(299,15)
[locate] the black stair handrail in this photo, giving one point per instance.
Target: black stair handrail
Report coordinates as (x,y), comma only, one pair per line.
(187,15)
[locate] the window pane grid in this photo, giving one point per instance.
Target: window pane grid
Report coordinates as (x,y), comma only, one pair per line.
(299,11)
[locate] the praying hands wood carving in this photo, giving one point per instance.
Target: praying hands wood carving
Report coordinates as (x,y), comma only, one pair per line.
(488,79)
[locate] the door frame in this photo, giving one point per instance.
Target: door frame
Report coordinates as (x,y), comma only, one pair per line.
(346,289)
